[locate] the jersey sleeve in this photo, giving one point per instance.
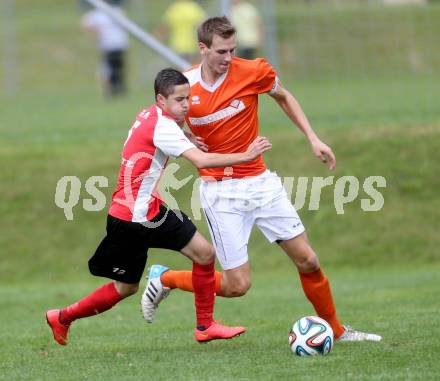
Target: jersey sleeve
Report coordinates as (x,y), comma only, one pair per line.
(266,77)
(170,139)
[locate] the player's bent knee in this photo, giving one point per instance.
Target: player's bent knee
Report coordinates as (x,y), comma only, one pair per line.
(237,292)
(204,260)
(308,263)
(199,250)
(205,256)
(127,289)
(238,289)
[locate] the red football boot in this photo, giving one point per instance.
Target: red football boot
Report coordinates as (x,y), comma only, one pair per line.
(217,331)
(60,331)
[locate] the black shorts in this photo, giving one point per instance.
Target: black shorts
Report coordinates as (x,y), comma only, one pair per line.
(122,254)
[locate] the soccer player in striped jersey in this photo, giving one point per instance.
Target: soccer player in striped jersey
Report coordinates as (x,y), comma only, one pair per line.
(138,220)
(223,117)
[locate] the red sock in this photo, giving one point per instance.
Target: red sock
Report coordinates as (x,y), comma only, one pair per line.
(203,280)
(183,281)
(100,300)
(317,289)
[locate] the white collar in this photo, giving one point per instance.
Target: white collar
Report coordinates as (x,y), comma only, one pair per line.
(216,84)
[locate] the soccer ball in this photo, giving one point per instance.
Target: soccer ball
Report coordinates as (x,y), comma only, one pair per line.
(311,336)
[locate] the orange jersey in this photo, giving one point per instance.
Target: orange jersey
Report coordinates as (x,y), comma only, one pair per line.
(225,114)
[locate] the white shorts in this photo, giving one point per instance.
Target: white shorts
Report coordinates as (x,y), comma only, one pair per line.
(232,207)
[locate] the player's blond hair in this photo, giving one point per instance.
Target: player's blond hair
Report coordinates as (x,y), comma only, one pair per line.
(221,26)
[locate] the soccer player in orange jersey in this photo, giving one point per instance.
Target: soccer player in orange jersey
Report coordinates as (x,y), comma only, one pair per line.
(223,118)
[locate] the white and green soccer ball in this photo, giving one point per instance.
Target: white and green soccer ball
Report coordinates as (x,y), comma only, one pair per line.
(311,336)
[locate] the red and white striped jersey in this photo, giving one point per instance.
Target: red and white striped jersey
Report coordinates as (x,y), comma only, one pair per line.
(153,137)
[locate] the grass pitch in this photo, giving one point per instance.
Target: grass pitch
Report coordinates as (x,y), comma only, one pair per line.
(120,345)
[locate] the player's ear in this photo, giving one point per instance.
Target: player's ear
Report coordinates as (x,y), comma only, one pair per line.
(160,99)
(202,48)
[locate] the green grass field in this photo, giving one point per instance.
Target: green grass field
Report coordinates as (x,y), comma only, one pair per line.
(384,266)
(119,345)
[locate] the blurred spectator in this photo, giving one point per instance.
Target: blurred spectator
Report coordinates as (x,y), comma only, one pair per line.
(181,20)
(112,44)
(246,19)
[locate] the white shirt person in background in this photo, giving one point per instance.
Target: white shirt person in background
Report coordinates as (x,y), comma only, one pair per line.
(112,44)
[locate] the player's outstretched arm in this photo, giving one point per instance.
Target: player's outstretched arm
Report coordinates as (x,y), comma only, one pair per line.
(293,110)
(211,160)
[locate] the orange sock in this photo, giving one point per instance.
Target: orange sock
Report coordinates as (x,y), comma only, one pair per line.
(183,281)
(317,289)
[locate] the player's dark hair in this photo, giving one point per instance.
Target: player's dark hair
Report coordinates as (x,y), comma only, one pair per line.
(166,80)
(221,26)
